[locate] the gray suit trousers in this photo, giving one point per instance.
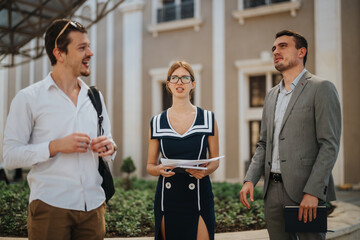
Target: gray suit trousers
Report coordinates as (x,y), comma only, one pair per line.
(275,200)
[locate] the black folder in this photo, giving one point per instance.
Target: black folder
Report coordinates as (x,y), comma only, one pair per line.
(292,223)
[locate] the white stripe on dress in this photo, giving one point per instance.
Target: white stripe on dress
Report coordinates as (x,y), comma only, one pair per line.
(163,181)
(198,181)
(207,127)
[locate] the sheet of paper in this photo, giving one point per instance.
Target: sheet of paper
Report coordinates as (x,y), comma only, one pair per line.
(193,167)
(184,163)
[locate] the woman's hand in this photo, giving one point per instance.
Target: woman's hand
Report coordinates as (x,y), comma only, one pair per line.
(163,170)
(198,174)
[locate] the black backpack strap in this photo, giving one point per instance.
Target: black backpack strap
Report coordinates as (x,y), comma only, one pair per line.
(94,96)
(108,183)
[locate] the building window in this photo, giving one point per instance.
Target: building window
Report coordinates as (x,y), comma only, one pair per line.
(169,15)
(256,78)
(257,90)
(257,3)
(255,8)
(254,130)
(172,10)
(187,9)
(276,78)
(258,86)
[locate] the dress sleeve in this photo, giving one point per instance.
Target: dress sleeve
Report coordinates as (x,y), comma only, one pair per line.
(152,121)
(212,124)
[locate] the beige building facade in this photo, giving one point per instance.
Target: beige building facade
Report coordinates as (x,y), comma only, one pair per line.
(228,43)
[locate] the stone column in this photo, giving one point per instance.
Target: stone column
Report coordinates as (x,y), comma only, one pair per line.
(93,39)
(218,49)
(328,57)
(132,81)
(3,104)
(110,63)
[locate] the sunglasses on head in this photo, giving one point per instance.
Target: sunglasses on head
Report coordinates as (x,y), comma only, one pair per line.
(73,23)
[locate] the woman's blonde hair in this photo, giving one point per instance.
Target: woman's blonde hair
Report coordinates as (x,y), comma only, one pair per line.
(176,65)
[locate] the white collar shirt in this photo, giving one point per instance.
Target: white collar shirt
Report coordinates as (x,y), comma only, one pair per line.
(283,100)
(39,114)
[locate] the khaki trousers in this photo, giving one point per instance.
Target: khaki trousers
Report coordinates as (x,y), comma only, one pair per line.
(46,222)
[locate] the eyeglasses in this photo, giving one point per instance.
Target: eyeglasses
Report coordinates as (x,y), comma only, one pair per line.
(73,23)
(184,79)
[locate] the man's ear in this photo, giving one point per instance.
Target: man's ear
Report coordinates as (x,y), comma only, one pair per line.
(58,55)
(302,52)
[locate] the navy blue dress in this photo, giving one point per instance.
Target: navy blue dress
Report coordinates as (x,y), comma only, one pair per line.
(181,199)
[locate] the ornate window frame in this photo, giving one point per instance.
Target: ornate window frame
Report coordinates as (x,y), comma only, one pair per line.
(242,13)
(155,28)
(246,68)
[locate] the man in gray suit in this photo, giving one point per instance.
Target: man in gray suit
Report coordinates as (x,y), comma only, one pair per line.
(299,141)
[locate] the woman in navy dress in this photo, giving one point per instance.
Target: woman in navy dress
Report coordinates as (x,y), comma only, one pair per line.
(184,202)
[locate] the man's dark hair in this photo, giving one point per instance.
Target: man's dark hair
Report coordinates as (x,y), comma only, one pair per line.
(300,41)
(63,40)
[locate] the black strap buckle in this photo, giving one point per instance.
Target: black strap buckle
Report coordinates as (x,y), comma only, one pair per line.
(276,177)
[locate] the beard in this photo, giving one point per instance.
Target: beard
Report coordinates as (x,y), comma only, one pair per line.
(85,73)
(283,67)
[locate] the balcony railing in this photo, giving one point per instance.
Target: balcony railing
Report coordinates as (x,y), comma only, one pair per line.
(257,3)
(172,12)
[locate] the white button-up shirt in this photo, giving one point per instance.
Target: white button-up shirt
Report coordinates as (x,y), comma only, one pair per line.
(281,106)
(39,114)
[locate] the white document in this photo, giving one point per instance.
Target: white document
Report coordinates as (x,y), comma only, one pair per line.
(183,163)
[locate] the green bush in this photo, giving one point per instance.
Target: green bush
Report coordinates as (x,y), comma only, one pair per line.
(13,208)
(130,213)
(231,216)
(127,167)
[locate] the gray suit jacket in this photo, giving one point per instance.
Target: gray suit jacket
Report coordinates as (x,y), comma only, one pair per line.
(309,140)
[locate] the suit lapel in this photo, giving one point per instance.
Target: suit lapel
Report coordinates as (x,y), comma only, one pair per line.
(297,91)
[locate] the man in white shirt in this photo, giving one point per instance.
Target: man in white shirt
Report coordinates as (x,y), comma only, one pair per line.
(52,129)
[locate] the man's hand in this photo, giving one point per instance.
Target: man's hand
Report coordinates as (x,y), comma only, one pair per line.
(75,142)
(248,188)
(307,209)
(103,146)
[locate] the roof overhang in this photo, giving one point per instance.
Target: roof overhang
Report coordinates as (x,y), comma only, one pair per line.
(24,20)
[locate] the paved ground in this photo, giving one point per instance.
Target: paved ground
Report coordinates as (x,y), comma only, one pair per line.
(349,196)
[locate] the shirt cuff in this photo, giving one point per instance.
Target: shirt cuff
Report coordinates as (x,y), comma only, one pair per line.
(43,152)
